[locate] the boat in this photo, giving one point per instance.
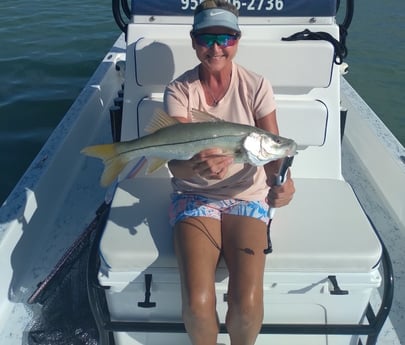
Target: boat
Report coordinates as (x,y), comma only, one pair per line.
(337,249)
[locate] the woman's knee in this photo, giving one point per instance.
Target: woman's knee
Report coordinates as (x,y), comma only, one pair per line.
(199,305)
(247,306)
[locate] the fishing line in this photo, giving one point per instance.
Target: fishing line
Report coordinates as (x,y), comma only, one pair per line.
(205,231)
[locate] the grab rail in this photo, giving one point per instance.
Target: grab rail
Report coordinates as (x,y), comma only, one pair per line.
(119,6)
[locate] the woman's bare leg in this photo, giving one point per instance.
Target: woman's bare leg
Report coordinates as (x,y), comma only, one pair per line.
(244,239)
(197,244)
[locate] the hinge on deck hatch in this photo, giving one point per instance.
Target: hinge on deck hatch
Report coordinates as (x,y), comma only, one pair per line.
(147,303)
(336,289)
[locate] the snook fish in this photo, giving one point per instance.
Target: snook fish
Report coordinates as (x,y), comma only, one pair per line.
(170,139)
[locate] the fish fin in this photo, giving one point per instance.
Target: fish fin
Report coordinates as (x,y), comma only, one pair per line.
(202,116)
(114,163)
(103,152)
(155,164)
(160,120)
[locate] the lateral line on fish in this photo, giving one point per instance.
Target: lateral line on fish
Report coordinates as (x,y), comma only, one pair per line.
(174,144)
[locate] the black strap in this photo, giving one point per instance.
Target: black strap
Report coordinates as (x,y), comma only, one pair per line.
(340,47)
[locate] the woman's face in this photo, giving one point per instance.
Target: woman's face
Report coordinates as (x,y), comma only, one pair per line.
(213,55)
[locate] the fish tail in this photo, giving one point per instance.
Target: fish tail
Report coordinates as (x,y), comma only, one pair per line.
(114,163)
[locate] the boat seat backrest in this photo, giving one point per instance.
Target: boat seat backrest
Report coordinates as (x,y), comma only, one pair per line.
(290,66)
(299,112)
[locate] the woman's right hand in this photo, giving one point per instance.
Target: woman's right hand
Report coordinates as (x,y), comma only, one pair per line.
(211,164)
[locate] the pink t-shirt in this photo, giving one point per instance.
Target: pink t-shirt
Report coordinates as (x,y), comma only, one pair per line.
(249,97)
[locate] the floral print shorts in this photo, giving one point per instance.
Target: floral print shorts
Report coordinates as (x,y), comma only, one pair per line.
(191,205)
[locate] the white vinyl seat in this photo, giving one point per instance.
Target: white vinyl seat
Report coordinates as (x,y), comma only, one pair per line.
(309,235)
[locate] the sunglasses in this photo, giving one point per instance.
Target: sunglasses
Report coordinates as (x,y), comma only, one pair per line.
(223,40)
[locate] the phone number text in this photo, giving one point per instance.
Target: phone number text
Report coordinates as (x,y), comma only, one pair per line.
(249,5)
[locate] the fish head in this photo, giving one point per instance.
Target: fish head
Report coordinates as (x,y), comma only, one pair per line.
(262,148)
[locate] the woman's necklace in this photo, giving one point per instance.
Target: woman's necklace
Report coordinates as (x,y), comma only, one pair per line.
(215,100)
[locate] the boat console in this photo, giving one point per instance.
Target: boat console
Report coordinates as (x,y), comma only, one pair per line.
(327,257)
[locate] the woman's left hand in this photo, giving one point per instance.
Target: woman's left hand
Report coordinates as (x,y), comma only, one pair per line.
(279,196)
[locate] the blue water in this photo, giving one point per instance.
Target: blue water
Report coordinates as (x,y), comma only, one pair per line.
(376,44)
(49,50)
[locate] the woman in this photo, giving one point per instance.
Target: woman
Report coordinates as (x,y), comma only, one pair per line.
(220,208)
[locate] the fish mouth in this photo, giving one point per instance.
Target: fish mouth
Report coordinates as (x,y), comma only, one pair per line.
(291,150)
